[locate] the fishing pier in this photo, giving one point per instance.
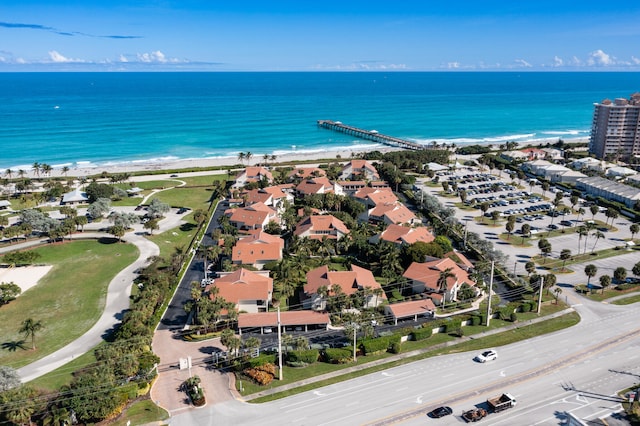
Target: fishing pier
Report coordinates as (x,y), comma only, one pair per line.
(370,135)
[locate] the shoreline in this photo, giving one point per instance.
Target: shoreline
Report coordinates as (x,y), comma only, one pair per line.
(86,168)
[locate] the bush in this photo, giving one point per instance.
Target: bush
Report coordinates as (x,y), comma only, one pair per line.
(260,360)
(475,320)
(513,317)
(372,346)
(526,306)
(338,355)
(395,348)
(421,334)
(453,325)
(306,357)
(262,375)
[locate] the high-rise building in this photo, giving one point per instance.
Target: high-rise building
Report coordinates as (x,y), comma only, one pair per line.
(615,133)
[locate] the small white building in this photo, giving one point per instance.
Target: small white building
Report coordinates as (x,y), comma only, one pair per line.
(77,196)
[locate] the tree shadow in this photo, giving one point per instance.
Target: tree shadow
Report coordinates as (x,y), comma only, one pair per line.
(107,240)
(186,227)
(14,345)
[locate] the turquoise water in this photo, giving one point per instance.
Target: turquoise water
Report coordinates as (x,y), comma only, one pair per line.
(103,118)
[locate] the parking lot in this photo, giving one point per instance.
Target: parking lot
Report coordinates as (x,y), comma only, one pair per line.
(527,204)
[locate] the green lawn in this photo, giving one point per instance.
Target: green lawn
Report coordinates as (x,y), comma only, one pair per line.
(178,237)
(627,300)
(140,413)
(582,258)
(185,196)
(68,300)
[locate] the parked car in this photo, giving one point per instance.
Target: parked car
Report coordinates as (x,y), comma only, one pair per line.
(485,356)
(440,412)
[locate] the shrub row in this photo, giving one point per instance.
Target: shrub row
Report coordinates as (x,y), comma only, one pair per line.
(421,334)
(307,357)
(338,355)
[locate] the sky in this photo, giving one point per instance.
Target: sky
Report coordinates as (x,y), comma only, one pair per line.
(312,35)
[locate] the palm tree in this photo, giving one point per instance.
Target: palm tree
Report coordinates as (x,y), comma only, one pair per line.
(29,328)
(581,212)
(598,235)
(605,281)
(634,228)
(36,168)
(248,155)
(442,283)
(65,170)
(582,232)
(8,173)
(565,255)
(590,271)
(525,229)
(241,157)
(557,291)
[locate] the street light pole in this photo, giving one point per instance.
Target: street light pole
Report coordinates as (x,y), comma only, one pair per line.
(355,329)
(540,295)
(279,348)
(489,299)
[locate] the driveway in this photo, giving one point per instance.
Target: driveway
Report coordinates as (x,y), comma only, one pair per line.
(218,386)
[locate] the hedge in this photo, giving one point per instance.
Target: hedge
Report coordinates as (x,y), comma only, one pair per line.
(453,325)
(371,346)
(261,359)
(306,356)
(421,334)
(338,355)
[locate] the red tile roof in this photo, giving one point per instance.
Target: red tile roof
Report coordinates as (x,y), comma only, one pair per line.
(243,284)
(402,234)
(429,273)
(319,226)
(305,172)
(258,246)
(414,307)
(349,281)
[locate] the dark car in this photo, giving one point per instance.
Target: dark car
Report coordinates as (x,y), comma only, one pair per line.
(440,412)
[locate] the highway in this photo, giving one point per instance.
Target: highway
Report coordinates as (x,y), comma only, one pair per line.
(577,369)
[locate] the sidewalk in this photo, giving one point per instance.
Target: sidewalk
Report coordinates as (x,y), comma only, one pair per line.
(401,356)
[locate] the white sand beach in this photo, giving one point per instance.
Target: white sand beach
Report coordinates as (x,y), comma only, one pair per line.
(88,169)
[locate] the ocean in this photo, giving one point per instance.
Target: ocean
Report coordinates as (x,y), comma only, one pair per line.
(117,118)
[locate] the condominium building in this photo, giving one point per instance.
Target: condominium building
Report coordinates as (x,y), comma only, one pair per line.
(615,132)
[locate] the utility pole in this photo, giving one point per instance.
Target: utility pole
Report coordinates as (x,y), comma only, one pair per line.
(489,299)
(279,348)
(540,295)
(355,329)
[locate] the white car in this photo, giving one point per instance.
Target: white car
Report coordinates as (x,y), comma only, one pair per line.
(485,356)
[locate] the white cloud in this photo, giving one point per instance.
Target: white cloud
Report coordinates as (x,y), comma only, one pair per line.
(123,58)
(576,61)
(453,65)
(522,63)
(600,58)
(56,57)
(635,60)
(557,61)
(156,57)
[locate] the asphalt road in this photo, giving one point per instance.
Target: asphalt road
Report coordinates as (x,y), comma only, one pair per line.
(175,318)
(576,370)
